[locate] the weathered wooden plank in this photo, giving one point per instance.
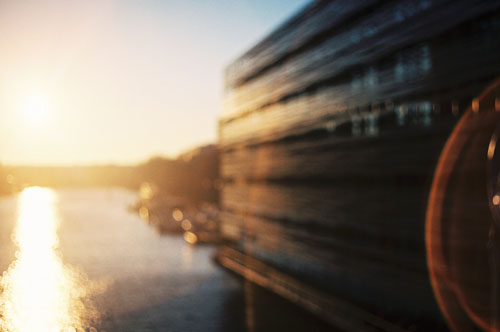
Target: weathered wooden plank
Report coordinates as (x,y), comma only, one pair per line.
(375,36)
(363,241)
(334,310)
(377,282)
(345,208)
(409,150)
(340,101)
(292,35)
(329,145)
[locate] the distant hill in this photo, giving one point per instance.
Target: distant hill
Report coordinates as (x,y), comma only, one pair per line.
(193,175)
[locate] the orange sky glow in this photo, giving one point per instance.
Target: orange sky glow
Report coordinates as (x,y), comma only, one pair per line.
(118,81)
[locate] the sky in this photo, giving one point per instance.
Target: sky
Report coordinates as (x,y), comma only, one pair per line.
(119,81)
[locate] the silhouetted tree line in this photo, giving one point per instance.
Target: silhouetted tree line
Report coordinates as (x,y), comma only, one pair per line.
(4,186)
(193,176)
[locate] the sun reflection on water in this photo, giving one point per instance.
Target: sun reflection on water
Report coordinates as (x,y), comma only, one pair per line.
(40,293)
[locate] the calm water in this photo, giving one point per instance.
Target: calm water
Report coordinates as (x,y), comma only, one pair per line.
(84,261)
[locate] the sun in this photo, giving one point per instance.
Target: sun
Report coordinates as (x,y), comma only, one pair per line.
(35,108)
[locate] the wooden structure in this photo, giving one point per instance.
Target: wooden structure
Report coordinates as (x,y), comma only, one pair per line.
(331,130)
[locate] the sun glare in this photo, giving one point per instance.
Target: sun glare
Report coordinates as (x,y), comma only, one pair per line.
(35,108)
(40,293)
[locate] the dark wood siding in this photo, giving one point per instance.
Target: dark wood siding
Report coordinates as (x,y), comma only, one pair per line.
(331,130)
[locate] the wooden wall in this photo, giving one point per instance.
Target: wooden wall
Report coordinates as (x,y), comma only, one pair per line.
(330,133)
